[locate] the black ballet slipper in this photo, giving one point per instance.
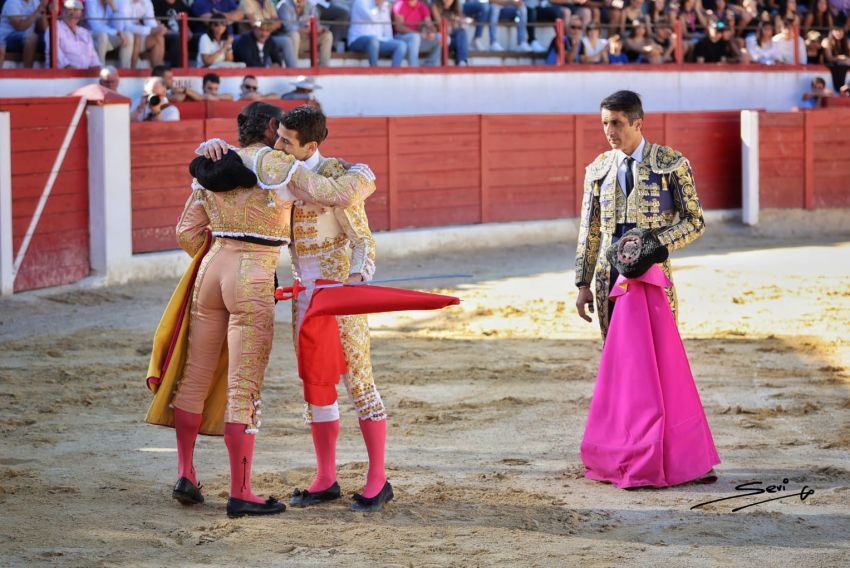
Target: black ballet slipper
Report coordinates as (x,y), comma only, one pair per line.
(304,498)
(372,504)
(239,508)
(187,492)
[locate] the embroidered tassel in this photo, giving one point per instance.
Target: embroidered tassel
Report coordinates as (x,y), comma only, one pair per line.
(270,199)
(663,183)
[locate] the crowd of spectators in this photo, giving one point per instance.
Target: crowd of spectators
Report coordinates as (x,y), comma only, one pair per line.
(265,33)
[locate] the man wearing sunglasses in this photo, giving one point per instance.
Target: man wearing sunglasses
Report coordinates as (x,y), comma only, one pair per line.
(249,90)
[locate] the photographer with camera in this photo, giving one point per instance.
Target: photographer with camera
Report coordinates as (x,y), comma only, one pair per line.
(153,105)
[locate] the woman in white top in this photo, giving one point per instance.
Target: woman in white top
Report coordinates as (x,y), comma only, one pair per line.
(215,48)
(138,19)
(760,45)
(594,48)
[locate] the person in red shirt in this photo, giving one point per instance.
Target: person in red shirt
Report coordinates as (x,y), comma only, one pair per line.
(414,26)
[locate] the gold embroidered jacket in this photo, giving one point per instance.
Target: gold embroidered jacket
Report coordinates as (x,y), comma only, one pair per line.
(664,199)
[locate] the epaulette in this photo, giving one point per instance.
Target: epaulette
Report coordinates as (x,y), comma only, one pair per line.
(331,168)
(599,167)
(664,160)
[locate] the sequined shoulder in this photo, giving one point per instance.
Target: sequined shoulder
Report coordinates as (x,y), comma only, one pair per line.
(599,167)
(331,168)
(664,160)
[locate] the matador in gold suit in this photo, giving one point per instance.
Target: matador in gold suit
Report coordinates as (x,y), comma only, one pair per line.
(233,298)
(664,200)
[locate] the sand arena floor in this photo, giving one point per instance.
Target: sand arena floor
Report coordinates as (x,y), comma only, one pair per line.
(487,406)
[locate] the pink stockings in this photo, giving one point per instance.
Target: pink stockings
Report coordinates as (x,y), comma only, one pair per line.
(240,447)
(325,435)
(375,436)
(187,425)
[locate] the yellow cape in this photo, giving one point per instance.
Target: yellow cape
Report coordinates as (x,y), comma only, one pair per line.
(170,347)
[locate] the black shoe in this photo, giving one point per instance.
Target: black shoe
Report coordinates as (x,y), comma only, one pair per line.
(304,498)
(371,504)
(239,508)
(187,492)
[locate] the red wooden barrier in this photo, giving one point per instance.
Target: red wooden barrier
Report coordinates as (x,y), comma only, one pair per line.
(781,164)
(59,250)
(160,153)
(461,169)
(830,151)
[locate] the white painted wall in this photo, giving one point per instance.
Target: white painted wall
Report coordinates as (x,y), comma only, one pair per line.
(7,262)
(520,92)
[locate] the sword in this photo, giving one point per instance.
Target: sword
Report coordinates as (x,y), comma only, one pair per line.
(290,292)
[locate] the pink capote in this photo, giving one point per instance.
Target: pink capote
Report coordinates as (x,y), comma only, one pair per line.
(646,424)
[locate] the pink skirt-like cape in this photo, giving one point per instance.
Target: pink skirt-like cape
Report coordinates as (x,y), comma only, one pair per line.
(646,425)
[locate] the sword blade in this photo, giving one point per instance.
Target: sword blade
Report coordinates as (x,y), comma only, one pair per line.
(390,280)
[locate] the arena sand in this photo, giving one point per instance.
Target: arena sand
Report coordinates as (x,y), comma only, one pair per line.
(487,406)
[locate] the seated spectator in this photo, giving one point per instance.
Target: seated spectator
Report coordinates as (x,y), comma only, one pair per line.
(204,9)
(168,12)
(760,45)
(212,89)
(108,78)
(149,34)
(264,10)
(21,25)
(814,48)
(818,16)
(540,11)
(176,93)
(836,54)
(509,11)
(840,11)
(787,13)
(215,48)
(154,104)
(639,47)
(689,15)
(480,13)
(371,32)
(415,27)
(594,48)
(256,49)
(665,38)
(249,90)
(295,15)
(814,98)
(101,17)
(458,41)
(631,13)
(785,42)
(337,15)
(74,45)
(573,47)
(714,48)
(304,87)
(615,50)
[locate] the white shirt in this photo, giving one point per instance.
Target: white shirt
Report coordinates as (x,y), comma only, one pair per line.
(139,16)
(208,46)
(313,161)
(375,21)
(621,164)
(167,114)
(785,49)
(766,54)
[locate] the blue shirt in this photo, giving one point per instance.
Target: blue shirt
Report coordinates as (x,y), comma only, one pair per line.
(201,7)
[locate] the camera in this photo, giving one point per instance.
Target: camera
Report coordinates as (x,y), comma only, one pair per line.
(154,100)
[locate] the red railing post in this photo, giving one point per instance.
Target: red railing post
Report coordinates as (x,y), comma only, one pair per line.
(314,42)
(444,41)
(796,29)
(53,22)
(559,41)
(678,45)
(184,40)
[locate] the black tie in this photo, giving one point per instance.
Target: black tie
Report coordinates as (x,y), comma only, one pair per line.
(630,177)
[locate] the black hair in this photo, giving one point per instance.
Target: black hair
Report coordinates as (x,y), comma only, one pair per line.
(309,122)
(627,102)
(160,70)
(253,121)
(217,17)
(211,78)
(254,77)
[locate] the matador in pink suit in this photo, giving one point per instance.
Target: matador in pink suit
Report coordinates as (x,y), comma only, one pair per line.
(233,299)
(646,424)
(333,243)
